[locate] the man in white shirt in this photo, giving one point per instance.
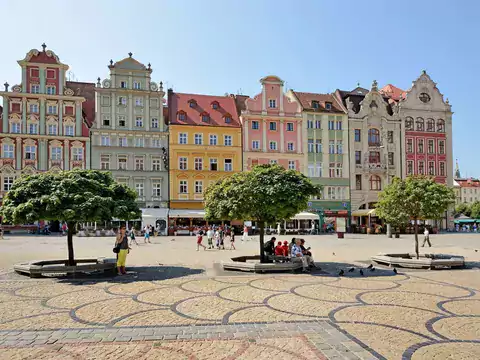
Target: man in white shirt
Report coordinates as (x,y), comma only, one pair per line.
(426,238)
(297,255)
(147,234)
(210,234)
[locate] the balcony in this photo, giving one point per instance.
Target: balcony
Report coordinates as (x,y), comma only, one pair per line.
(375,167)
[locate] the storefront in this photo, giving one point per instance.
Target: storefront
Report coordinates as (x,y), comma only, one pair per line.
(330,222)
(302,223)
(157,217)
(185,222)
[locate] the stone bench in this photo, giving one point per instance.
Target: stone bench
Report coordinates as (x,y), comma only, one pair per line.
(425,261)
(38,268)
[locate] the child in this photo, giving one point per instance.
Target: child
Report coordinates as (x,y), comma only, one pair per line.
(217,239)
(210,238)
(232,241)
(285,248)
(132,236)
(199,241)
(279,249)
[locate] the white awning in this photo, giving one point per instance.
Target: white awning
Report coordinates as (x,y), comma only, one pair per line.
(363,212)
(198,214)
(153,213)
(306,216)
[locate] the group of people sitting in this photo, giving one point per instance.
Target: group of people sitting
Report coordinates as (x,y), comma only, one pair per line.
(295,251)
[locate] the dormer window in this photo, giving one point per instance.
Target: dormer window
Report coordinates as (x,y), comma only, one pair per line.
(315,104)
(205,117)
(215,105)
(328,106)
(182,116)
(272,103)
(192,103)
(228,118)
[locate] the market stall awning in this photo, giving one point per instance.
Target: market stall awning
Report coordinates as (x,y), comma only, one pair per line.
(363,212)
(197,214)
(306,216)
(465,221)
(154,213)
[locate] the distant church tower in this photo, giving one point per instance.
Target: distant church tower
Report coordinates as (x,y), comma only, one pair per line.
(457,171)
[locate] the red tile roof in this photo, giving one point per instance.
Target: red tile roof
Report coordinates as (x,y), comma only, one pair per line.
(393,92)
(87,90)
(468,182)
(179,102)
(307,98)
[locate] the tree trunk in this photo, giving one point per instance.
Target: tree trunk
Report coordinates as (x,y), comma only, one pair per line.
(416,238)
(71,230)
(262,231)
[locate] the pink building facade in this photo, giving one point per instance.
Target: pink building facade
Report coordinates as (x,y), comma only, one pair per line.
(272,128)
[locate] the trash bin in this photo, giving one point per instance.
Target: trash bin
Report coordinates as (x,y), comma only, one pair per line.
(340,235)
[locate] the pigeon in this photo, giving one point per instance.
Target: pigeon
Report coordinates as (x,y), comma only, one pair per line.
(395,271)
(351,270)
(476,250)
(172,240)
(333,254)
(372,269)
(341,273)
(370,266)
(361,272)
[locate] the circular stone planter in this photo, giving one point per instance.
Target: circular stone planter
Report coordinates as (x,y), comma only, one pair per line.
(41,267)
(253,264)
(425,261)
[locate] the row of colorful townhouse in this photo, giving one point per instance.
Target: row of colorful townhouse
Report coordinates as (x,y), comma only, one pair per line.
(170,146)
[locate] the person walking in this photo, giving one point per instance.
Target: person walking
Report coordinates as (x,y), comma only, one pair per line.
(132,236)
(199,241)
(232,240)
(121,244)
(210,237)
(146,235)
(245,233)
(221,235)
(426,238)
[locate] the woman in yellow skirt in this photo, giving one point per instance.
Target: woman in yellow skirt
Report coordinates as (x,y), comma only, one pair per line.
(122,244)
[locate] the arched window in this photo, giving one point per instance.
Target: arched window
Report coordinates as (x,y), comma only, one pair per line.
(409,123)
(373,137)
(441,125)
(430,125)
(375,183)
(420,124)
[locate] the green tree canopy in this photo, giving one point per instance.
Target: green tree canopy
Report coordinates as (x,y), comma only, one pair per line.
(267,193)
(70,196)
(464,209)
(416,197)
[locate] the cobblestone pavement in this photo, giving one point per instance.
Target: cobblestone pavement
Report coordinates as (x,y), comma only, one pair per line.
(413,315)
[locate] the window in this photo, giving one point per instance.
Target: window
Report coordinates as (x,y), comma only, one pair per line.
(122,162)
(139,188)
(228,119)
(154,123)
(358,157)
(198,186)
(331,125)
(198,139)
(431,168)
(273,162)
(138,121)
(430,125)
(16,128)
(291,165)
(77,154)
(331,170)
(409,167)
(441,147)
(156,189)
(442,170)
(420,146)
(373,137)
(319,170)
(390,159)
(310,146)
(8,151)
(52,109)
(272,145)
(8,182)
(290,146)
(315,104)
(137,85)
(33,128)
(138,101)
(35,73)
(375,183)
(156,164)
(431,146)
(309,124)
(215,105)
(228,165)
(339,147)
(182,138)
(106,120)
(198,162)
(50,74)
(139,142)
(69,130)
(339,170)
(205,118)
(121,121)
(122,141)
(213,165)
(318,124)
(339,125)
(421,168)
(182,163)
(213,139)
(183,187)
(374,157)
(122,100)
(409,123)
(273,126)
(440,126)
(311,171)
(182,116)
(139,163)
(34,108)
(105,162)
(255,125)
(358,136)
(420,124)
(409,145)
(390,136)
(35,89)
(289,126)
(331,147)
(272,103)
(358,182)
(227,140)
(192,103)
(51,90)
(255,144)
(69,110)
(123,84)
(155,143)
(30,152)
(328,106)
(318,146)
(105,141)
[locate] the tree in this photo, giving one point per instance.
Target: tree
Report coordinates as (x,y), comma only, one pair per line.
(416,197)
(463,209)
(71,196)
(475,210)
(267,193)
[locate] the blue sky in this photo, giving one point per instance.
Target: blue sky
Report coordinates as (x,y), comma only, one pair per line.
(218,46)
